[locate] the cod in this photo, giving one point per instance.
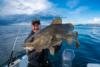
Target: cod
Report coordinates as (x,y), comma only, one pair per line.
(51,36)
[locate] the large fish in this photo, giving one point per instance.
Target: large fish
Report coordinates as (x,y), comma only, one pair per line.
(51,36)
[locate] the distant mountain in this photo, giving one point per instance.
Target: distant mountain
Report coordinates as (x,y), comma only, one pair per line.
(22,18)
(88,25)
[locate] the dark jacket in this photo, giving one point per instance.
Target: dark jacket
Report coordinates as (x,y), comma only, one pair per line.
(29,39)
(37,59)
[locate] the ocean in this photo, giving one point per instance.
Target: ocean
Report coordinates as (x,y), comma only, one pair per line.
(88,52)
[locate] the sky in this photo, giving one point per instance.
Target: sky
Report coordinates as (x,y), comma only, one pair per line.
(74,11)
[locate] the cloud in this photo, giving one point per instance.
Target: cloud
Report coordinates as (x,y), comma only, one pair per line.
(44,7)
(79,10)
(94,20)
(72,11)
(72,3)
(13,7)
(74,8)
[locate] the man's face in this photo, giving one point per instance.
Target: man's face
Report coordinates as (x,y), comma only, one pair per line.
(35,27)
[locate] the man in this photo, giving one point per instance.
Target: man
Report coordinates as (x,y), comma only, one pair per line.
(36,59)
(42,59)
(35,28)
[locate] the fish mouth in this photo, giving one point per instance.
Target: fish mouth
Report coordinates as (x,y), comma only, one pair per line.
(28,48)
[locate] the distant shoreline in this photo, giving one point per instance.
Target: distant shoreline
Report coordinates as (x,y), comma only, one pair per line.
(88,25)
(46,25)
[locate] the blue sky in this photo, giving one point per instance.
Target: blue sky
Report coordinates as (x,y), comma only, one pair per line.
(74,11)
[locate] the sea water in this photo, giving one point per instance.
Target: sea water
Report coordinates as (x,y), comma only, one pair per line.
(88,52)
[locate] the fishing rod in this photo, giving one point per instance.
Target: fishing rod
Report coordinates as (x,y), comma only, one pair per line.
(12,52)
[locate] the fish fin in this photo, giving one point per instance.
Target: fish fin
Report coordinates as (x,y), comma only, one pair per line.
(76,39)
(77,44)
(52,50)
(57,20)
